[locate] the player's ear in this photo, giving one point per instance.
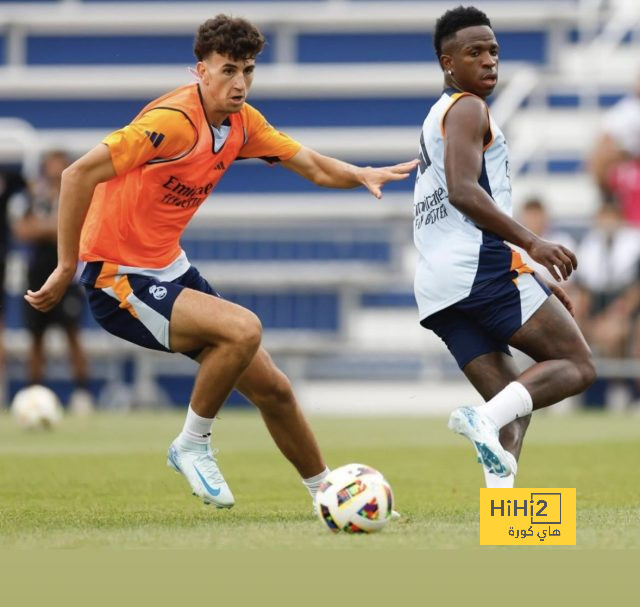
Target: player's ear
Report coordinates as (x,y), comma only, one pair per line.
(201,70)
(446,63)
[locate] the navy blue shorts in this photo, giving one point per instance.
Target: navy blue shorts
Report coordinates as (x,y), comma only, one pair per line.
(484,321)
(137,307)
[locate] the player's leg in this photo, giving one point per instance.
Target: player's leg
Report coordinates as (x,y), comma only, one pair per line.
(36,358)
(474,349)
(182,315)
(77,356)
(68,314)
(81,401)
(36,323)
(490,374)
(564,364)
(269,389)
(227,337)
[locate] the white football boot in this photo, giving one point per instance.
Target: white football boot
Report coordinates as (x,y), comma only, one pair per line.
(197,463)
(484,435)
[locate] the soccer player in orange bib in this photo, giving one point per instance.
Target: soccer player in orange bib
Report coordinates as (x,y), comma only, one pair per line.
(124,206)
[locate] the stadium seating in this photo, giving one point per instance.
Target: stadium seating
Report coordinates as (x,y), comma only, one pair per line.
(329,273)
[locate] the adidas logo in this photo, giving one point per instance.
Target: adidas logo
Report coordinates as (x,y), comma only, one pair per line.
(156,138)
(220,166)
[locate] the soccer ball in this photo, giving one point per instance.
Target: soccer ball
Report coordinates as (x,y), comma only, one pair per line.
(355,499)
(36,407)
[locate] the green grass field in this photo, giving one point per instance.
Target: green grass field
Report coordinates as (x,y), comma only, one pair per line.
(102,482)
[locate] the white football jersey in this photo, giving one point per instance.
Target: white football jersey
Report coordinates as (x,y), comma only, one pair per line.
(453,252)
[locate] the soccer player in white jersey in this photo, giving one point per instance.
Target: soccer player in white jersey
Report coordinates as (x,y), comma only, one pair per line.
(472,289)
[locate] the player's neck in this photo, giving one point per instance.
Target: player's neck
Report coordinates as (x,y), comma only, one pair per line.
(215,117)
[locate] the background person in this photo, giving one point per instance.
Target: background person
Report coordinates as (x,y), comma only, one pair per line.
(607,293)
(11,182)
(617,143)
(534,216)
(34,221)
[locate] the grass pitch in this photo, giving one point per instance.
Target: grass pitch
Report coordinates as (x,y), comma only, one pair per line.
(102,482)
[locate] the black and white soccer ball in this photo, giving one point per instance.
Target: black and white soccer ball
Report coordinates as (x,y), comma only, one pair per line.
(355,499)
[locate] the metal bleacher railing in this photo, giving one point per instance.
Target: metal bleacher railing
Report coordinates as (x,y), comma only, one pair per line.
(347,77)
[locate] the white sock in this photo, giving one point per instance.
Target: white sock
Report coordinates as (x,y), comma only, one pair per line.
(512,402)
(493,481)
(196,429)
(313,483)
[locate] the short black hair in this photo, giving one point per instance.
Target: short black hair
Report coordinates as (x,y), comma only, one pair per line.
(232,37)
(457,19)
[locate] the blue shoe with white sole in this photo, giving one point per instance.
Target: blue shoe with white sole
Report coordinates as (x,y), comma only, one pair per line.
(484,436)
(197,463)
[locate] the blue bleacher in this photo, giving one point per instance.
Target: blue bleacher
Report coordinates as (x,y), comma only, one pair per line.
(555,165)
(145,49)
(224,247)
(283,111)
(249,177)
(557,100)
(353,47)
(356,47)
(388,299)
(308,310)
(311,310)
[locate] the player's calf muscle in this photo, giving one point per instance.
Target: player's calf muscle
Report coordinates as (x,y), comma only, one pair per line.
(276,396)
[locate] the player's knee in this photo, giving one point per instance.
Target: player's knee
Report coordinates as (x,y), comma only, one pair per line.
(247,332)
(587,371)
(242,334)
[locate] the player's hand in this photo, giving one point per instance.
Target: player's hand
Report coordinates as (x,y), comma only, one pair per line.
(51,291)
(561,294)
(559,260)
(374,178)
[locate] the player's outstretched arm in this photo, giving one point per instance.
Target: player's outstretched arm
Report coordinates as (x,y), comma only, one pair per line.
(78,183)
(332,173)
(466,127)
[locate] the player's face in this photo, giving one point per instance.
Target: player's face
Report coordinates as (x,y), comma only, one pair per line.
(225,81)
(472,57)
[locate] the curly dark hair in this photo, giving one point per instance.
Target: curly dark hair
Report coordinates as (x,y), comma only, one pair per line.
(233,37)
(456,19)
